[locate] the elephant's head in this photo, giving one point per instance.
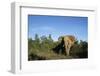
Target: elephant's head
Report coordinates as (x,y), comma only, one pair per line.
(67,41)
(69,37)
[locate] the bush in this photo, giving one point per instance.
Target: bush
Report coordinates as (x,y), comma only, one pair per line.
(80,50)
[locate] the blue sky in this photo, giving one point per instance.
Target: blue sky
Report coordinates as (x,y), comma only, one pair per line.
(58,26)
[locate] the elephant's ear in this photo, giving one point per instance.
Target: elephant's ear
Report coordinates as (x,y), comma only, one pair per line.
(72,38)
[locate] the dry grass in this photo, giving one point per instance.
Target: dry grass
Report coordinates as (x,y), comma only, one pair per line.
(49,55)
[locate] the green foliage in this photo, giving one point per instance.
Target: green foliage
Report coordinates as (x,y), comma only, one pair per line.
(43,48)
(80,50)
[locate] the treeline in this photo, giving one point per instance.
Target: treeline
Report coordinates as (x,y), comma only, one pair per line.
(42,48)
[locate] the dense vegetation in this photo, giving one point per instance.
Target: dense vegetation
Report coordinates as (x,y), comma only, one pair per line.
(43,48)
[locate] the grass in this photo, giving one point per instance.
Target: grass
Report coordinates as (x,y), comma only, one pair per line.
(47,55)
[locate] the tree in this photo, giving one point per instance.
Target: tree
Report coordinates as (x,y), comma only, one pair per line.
(30,43)
(84,49)
(44,39)
(37,38)
(50,38)
(80,49)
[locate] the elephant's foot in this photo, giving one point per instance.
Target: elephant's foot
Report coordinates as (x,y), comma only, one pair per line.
(67,53)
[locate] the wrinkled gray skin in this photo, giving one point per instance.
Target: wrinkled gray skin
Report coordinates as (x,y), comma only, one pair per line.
(68,42)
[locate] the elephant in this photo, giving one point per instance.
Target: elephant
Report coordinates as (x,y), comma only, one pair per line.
(67,42)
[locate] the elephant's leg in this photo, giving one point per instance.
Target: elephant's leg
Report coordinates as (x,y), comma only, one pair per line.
(68,51)
(60,51)
(60,48)
(66,48)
